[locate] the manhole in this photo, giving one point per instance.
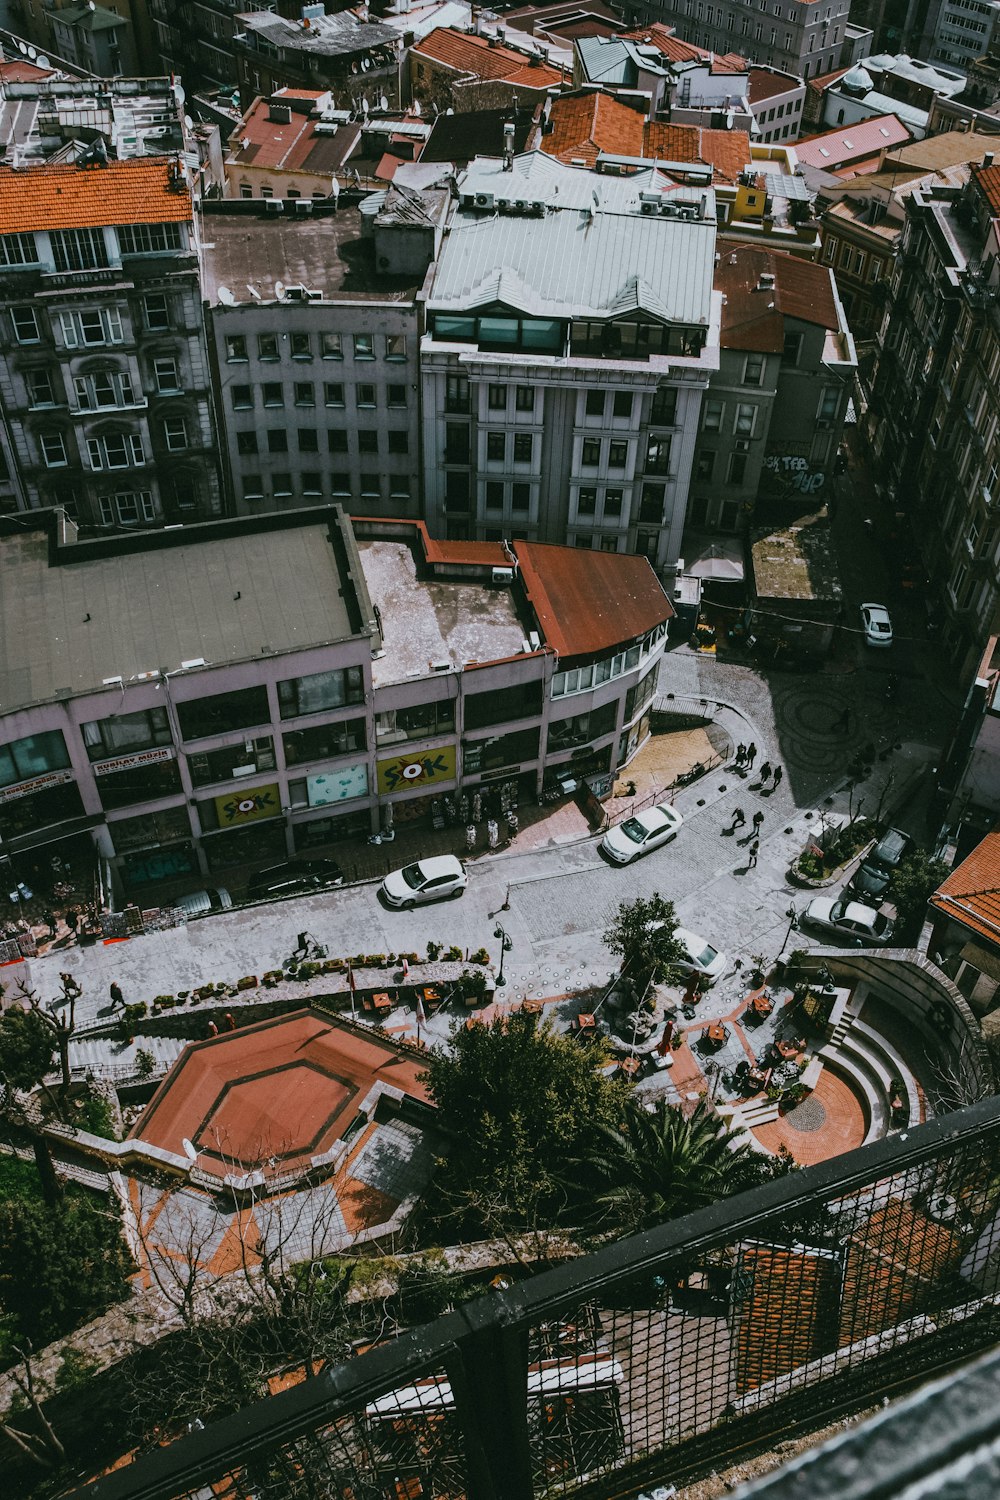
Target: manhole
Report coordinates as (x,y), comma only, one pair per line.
(806,1117)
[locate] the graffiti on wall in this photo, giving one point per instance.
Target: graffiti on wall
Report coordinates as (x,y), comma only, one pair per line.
(791,474)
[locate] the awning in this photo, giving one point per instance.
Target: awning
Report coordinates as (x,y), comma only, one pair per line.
(720,561)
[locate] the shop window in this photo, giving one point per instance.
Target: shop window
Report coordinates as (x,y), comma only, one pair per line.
(418,721)
(320,691)
(145,783)
(324,741)
(21,760)
(232,761)
(201,717)
(126,734)
(521,701)
(582,729)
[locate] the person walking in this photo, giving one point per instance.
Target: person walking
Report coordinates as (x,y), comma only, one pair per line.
(117,998)
(758,819)
(778,773)
(752,861)
(751,755)
(765,771)
(741,751)
(739,819)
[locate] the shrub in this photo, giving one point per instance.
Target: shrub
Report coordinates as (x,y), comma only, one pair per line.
(96,1116)
(375,961)
(248,982)
(454,955)
(433,949)
(145,1063)
(273,977)
(75,1369)
(165,1002)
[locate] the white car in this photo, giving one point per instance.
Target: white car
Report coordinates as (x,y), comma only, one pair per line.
(425,880)
(641,832)
(848,919)
(878,626)
(701,958)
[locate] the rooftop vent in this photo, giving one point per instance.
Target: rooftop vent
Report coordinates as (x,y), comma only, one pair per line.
(279,114)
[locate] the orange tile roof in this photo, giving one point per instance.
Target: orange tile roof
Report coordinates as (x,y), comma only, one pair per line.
(588,602)
(585,124)
(987,179)
(769,1340)
(754,319)
(473,54)
(971,894)
(726,151)
(896,1260)
(62,196)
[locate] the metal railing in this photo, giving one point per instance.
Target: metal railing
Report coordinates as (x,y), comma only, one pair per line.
(658,1357)
(667,793)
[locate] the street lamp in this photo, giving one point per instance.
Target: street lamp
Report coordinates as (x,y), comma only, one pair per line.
(505,947)
(793,926)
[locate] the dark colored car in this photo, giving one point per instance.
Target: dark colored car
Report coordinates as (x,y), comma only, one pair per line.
(296,877)
(874,877)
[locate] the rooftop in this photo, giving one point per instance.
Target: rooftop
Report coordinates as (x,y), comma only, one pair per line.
(937,152)
(753,314)
(971,893)
(796,561)
(475,132)
(73,615)
(88,18)
(323,253)
(63,196)
(590,121)
(338,35)
(487,59)
(987,180)
(852,143)
(587,602)
(261,141)
(768,83)
(726,151)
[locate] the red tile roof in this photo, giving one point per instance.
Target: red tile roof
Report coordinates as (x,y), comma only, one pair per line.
(291,147)
(588,602)
(987,179)
(971,894)
(771,1340)
(138,191)
(755,320)
(852,143)
(766,83)
(727,151)
(17,71)
(585,124)
(464,53)
(664,39)
(896,1260)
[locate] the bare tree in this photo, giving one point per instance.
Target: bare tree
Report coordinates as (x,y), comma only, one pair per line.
(41,1447)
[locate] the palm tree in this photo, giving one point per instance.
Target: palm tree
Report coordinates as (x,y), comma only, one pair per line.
(657,1165)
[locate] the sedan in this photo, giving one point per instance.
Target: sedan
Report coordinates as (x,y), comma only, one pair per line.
(425,880)
(877,625)
(848,919)
(700,957)
(643,831)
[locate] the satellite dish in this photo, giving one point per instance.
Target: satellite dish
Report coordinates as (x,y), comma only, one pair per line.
(190,1151)
(22,47)
(179,93)
(383,104)
(279,290)
(43,62)
(254,292)
(188,123)
(32,53)
(226,297)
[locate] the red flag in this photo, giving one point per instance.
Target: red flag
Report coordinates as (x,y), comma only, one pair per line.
(406,968)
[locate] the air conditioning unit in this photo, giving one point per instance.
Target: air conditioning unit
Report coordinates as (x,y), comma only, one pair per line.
(649,208)
(274,206)
(303,206)
(742,445)
(521,205)
(538,208)
(484,200)
(503,577)
(504,205)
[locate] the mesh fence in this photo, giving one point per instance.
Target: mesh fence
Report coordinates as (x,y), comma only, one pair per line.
(655,1357)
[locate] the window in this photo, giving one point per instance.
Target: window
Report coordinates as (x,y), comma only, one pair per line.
(364,394)
(712,415)
(331,346)
(53,446)
(39,387)
(267,346)
(521,701)
(586,504)
(829,403)
(364,346)
(617,455)
(148,239)
(246,442)
(236,348)
(223,712)
(301,346)
(336,440)
(18,250)
(175,434)
(595,403)
(496,447)
(583,539)
(367,439)
(496,397)
(745,419)
(395,346)
(78,249)
(520,497)
(623,404)
(664,409)
(36,754)
(277,440)
(494,495)
(281,483)
(524,398)
(524,447)
(418,722)
(456,398)
(308,440)
(753,369)
(371,486)
(232,761)
(613,503)
(312,482)
(396,395)
(25,325)
(126,733)
(242,398)
(127,508)
(792,350)
(340,482)
(118,450)
(246,191)
(591,455)
(156,312)
(651,504)
(333,393)
(658,455)
(737,467)
(165,374)
(324,741)
(704,464)
(87,329)
(398,440)
(274,393)
(253,486)
(305,394)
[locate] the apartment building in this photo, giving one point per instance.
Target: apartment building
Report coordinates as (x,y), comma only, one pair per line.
(452,69)
(95,39)
(571,333)
(934,414)
(803,37)
(104,374)
(283,681)
(351,56)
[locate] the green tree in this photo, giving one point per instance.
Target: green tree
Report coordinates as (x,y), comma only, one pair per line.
(518,1102)
(654,1166)
(641,934)
(27,1053)
(916,878)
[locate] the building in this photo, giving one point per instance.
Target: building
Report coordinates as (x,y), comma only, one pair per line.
(965,925)
(316,349)
(230,693)
(356,61)
(104,376)
(882,85)
(655,63)
(571,332)
(477,132)
(777,100)
(934,411)
(95,39)
(291,144)
(460,70)
(795,596)
(957,32)
(858,148)
(43,116)
(774,412)
(801,37)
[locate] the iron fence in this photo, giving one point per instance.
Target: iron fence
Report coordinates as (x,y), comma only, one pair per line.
(657,1357)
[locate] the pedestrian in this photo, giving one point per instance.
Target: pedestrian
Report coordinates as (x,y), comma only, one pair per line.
(230,1021)
(765,771)
(751,755)
(212,1029)
(48,918)
(470,836)
(738,818)
(754,847)
(758,819)
(741,751)
(778,773)
(493,833)
(117,998)
(72,919)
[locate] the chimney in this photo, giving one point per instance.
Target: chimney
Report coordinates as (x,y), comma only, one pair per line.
(765,282)
(988,159)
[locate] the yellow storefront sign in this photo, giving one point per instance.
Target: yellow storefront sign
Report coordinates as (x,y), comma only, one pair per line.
(246,805)
(427,768)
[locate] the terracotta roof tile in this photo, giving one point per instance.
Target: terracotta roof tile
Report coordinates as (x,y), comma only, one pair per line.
(896,1259)
(971,893)
(790,1314)
(987,179)
(766,83)
(473,54)
(674,49)
(726,151)
(584,124)
(755,319)
(588,602)
(62,196)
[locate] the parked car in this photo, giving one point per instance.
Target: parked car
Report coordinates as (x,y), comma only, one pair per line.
(848,919)
(425,880)
(877,624)
(701,957)
(641,832)
(295,877)
(200,903)
(874,876)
